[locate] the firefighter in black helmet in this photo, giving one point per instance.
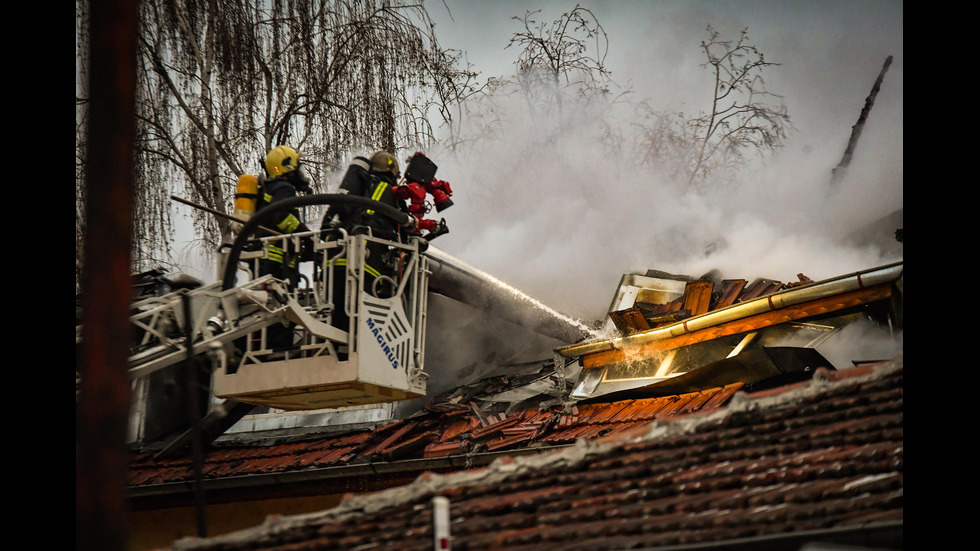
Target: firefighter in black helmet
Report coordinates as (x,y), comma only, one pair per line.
(374,177)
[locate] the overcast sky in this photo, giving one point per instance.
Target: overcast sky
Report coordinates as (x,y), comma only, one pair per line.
(566,231)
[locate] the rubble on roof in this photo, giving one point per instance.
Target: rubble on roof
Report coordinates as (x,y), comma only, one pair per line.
(669,326)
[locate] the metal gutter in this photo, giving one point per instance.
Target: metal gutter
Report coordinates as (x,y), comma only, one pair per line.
(781,299)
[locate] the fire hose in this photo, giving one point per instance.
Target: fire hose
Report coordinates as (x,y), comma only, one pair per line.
(403,219)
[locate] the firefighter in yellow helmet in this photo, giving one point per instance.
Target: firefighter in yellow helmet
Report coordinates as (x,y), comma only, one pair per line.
(285,178)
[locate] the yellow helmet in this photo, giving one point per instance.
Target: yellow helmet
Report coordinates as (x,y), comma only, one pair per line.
(281,160)
(382,161)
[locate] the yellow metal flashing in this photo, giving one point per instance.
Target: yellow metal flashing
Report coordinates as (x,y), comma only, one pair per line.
(860,287)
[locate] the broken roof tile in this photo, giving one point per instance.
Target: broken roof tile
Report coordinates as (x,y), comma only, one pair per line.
(697,296)
(730,289)
(758,288)
(441,449)
(458,427)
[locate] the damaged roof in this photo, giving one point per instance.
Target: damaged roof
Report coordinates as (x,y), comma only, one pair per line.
(455,426)
(817,461)
(739,447)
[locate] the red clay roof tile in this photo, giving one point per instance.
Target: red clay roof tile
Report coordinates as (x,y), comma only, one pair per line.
(814,456)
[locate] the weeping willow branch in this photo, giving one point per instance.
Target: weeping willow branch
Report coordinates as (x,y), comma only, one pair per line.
(223,81)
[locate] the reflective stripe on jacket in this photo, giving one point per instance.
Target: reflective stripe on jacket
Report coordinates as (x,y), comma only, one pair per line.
(286,221)
(289,222)
(378,193)
(276,255)
(367,267)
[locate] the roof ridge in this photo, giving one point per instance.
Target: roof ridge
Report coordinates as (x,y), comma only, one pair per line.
(430,483)
(822,380)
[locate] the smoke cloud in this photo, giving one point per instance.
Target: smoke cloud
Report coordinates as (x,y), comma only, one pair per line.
(562,218)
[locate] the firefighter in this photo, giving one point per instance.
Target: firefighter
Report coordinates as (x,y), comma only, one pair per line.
(285,178)
(375,177)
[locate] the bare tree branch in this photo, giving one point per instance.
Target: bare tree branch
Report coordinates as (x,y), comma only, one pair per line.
(223,81)
(740,121)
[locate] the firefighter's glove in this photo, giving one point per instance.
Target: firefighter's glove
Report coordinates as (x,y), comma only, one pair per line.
(307,253)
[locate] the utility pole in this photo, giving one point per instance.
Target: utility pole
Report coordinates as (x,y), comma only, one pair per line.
(102,410)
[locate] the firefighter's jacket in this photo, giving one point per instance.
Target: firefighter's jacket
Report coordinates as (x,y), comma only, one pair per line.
(360,181)
(285,221)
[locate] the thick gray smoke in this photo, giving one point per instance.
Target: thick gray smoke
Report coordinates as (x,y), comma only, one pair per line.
(562,218)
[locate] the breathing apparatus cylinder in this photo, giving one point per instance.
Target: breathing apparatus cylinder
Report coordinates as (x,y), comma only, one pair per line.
(246,196)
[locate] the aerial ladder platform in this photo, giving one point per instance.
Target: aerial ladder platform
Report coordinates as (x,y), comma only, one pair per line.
(377,357)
